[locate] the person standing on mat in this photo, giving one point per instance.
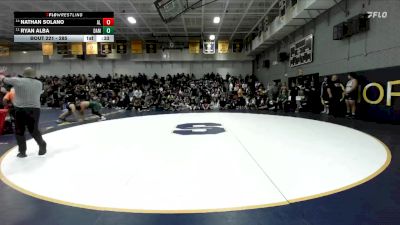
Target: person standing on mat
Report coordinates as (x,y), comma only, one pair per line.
(351,95)
(336,96)
(325,95)
(27,108)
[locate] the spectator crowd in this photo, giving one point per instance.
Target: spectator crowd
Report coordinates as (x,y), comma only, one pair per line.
(170,93)
(185,92)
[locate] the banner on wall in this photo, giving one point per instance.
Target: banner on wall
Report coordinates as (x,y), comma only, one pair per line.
(209,47)
(76,48)
(47,49)
(223,46)
(194,46)
(121,47)
(247,44)
(105,48)
(91,48)
(137,47)
(301,52)
(62,48)
(151,47)
(378,94)
(237,46)
(4,51)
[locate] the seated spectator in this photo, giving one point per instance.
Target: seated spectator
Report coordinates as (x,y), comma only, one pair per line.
(137,104)
(251,103)
(263,104)
(223,103)
(214,105)
(241,99)
(205,105)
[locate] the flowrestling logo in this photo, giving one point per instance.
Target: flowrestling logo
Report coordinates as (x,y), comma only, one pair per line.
(379,15)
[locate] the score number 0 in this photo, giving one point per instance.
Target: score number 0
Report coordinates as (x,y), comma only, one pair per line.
(108,24)
(108,21)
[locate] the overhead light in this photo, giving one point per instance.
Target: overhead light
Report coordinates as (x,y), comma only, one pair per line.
(24,52)
(217,19)
(131,20)
(212,37)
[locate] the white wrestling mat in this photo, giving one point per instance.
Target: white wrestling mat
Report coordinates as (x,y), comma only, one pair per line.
(195,162)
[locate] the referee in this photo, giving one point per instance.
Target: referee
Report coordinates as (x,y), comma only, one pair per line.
(27,109)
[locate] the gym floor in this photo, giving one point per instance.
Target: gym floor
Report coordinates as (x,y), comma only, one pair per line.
(375,201)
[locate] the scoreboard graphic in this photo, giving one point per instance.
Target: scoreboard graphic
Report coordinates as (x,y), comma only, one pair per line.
(63,26)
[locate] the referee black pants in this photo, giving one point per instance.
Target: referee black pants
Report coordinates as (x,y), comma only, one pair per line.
(27,117)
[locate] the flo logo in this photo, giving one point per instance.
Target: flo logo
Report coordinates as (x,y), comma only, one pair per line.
(199,129)
(380,15)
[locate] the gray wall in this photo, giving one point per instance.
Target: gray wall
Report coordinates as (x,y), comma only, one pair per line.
(162,63)
(377,48)
(21,58)
(104,67)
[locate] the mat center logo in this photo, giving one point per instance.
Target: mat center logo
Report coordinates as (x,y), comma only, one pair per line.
(199,129)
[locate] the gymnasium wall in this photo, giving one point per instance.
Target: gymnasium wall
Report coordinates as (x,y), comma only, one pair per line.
(162,63)
(377,48)
(197,68)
